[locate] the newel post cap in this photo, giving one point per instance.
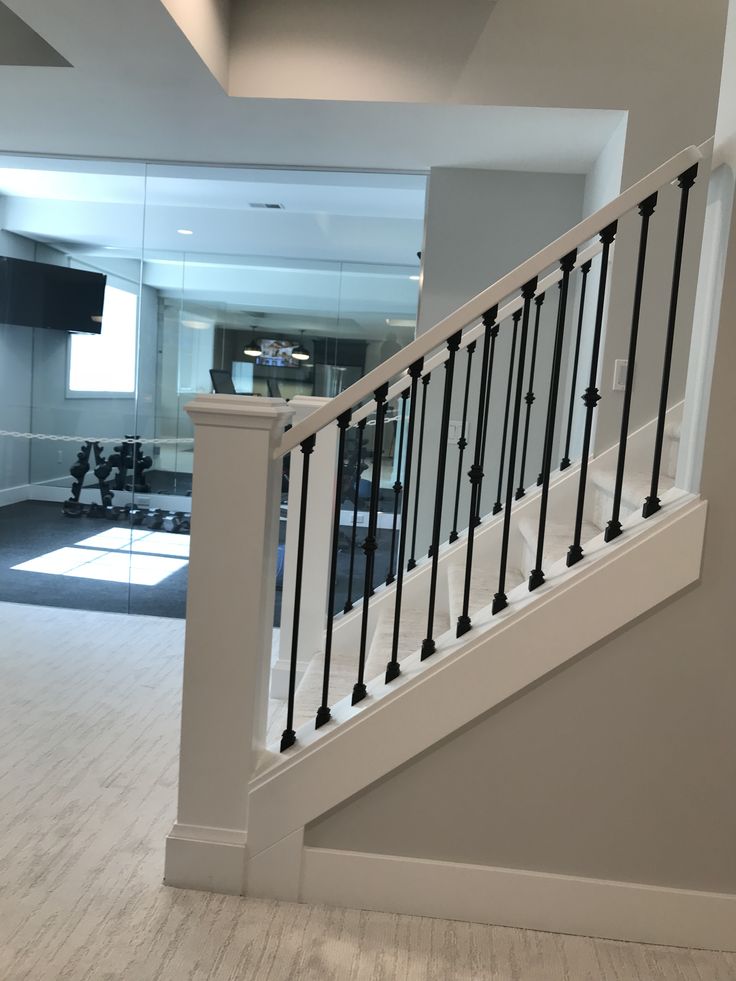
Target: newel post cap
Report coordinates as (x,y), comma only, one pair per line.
(239,412)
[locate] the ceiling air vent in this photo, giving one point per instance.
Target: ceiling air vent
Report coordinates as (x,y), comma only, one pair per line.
(267,205)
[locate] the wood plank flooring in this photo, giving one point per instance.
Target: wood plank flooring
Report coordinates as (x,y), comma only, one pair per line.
(89,719)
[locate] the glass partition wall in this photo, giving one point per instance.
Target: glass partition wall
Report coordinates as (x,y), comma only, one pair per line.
(270,282)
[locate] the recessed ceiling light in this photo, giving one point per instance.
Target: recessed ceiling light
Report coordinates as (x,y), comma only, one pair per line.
(195,324)
(184,231)
(415,278)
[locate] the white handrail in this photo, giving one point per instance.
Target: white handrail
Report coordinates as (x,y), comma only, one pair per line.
(475,333)
(474,309)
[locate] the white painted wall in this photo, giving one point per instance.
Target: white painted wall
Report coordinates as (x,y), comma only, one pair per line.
(479,225)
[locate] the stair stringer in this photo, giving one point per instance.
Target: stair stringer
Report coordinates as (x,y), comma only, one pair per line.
(503,655)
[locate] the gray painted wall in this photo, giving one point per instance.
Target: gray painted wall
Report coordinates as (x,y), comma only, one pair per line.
(620,766)
(480,224)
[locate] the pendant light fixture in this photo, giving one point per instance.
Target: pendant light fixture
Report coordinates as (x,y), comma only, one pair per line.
(253,347)
(300,352)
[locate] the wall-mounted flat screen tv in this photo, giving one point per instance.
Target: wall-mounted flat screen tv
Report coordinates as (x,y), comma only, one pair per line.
(37,294)
(277,354)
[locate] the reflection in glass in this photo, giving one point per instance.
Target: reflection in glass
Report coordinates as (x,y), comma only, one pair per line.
(332,273)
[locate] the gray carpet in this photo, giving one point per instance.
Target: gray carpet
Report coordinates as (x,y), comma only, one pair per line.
(88,764)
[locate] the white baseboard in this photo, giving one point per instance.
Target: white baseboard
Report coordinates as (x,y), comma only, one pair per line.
(518,898)
(210,859)
(14,495)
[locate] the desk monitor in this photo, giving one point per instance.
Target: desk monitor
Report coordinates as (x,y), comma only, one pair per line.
(222,381)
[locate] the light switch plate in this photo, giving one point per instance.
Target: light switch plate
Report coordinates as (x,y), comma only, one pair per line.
(620,368)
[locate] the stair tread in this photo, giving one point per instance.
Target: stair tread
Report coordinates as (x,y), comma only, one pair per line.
(483,585)
(635,487)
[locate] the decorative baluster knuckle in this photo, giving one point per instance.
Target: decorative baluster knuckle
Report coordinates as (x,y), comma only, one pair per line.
(462,443)
(591,396)
(529,398)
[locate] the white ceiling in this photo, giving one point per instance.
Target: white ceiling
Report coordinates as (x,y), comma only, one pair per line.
(137,89)
(375,218)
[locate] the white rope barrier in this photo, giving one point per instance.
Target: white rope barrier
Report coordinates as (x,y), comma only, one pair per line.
(99,439)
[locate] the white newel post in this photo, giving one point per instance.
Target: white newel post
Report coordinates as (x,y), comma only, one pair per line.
(235,522)
(317,542)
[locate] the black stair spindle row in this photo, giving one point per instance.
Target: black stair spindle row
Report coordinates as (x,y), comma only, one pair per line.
(475,474)
(529,398)
(646,210)
(591,397)
(370,544)
(323,712)
(360,429)
(289,735)
(453,343)
(584,270)
(685,181)
(462,442)
(393,669)
(567,264)
(498,506)
(397,489)
(500,600)
(411,564)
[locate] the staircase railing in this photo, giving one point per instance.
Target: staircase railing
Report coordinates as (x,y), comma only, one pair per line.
(514,302)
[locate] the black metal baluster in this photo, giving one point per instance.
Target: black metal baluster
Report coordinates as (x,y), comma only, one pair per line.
(500,600)
(323,712)
(462,442)
(392,668)
(498,506)
(397,488)
(591,398)
(567,264)
(370,544)
(411,564)
(529,398)
(475,473)
(685,181)
(288,737)
(489,356)
(565,462)
(453,343)
(646,210)
(359,463)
